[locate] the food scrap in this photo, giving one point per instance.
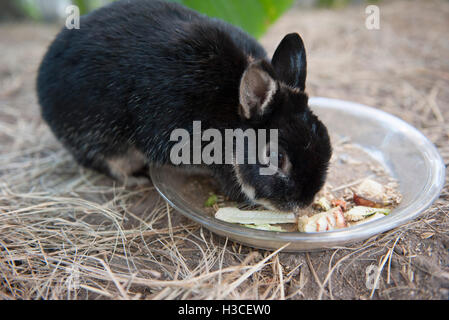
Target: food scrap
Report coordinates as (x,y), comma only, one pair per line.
(266,227)
(235,215)
(339,203)
(360,213)
(322,203)
(370,201)
(211,201)
(325,221)
(358,189)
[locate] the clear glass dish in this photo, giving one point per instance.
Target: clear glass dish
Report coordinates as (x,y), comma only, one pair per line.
(406,153)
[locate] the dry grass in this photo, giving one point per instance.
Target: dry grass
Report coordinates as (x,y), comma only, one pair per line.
(68,233)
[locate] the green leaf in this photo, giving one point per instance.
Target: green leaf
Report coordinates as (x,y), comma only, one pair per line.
(211,201)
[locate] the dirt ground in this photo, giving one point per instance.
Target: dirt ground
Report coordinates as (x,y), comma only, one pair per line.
(68,233)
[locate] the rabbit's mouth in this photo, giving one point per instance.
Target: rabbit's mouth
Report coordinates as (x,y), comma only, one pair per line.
(287,207)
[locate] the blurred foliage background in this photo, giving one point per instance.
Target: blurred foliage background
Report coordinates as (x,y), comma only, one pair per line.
(254,16)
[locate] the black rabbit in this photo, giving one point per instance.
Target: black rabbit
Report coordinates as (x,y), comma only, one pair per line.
(113,91)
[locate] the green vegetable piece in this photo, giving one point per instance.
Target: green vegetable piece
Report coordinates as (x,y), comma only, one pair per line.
(234,215)
(323,204)
(213,199)
(359,213)
(266,227)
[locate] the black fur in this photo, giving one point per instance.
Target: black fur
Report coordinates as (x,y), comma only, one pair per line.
(136,70)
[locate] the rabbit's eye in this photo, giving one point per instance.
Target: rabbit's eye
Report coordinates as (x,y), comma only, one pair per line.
(283,163)
(281,159)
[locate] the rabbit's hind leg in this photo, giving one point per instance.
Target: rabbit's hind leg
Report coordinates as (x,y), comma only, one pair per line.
(130,168)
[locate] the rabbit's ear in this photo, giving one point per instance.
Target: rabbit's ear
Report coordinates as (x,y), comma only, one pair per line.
(257,89)
(290,63)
